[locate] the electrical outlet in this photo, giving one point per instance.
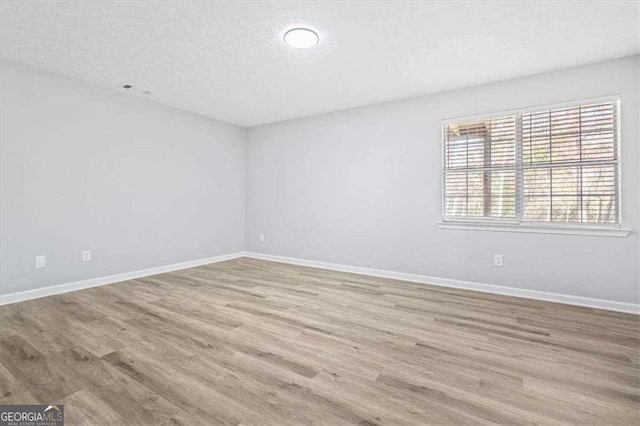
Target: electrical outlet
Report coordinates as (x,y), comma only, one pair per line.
(41,262)
(86,255)
(498,260)
(261,238)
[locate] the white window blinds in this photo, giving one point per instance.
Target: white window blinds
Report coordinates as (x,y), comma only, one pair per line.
(480,168)
(553,165)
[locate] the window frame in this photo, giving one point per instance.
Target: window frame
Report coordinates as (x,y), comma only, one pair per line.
(517,224)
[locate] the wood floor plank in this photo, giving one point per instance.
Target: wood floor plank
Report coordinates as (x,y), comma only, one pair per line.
(250,342)
(40,375)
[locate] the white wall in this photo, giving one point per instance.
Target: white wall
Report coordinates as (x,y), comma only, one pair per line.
(138,183)
(362,187)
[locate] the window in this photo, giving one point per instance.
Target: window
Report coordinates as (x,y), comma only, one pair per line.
(547,166)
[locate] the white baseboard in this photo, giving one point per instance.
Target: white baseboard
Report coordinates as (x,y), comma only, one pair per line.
(609,305)
(21,296)
(441,282)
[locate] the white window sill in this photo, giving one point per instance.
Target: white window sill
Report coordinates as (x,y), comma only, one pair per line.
(538,229)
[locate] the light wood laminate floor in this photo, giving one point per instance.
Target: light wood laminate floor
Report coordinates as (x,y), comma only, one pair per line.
(262,343)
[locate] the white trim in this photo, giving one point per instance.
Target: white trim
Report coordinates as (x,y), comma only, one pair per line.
(538,229)
(611,305)
(21,296)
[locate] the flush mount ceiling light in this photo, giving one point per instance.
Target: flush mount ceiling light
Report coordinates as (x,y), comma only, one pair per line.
(301,38)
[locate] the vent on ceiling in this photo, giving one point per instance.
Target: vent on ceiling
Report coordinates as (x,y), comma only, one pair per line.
(136,90)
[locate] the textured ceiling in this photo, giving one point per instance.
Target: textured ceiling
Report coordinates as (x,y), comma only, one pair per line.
(227,60)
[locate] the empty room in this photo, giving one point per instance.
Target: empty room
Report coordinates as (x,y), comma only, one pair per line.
(319,212)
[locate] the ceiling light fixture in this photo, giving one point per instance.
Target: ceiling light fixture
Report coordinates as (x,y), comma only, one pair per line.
(301,38)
